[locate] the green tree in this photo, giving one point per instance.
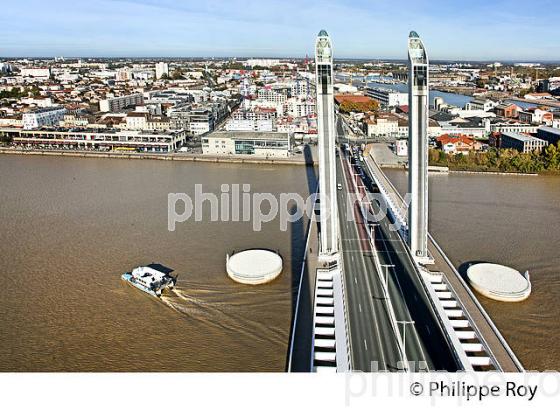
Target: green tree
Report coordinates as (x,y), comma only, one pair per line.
(5,139)
(177,74)
(552,156)
(352,106)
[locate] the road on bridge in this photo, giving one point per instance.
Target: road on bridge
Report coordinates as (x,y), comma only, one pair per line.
(372,336)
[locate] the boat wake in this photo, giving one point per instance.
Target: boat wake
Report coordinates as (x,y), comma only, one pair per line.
(236,318)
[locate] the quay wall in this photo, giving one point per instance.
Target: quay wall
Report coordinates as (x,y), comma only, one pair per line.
(161,157)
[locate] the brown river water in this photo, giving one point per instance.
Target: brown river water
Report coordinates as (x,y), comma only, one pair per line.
(69,227)
(510,220)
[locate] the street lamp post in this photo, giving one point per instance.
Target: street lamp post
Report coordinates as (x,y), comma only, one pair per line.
(404,323)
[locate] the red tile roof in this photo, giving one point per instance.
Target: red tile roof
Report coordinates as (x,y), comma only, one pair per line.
(340,98)
(446,139)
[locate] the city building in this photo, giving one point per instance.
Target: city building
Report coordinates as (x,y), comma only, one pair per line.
(536,116)
(38,72)
(478,104)
(11,121)
(88,139)
(502,125)
(521,142)
(383,126)
(506,110)
(123,74)
(453,144)
(136,120)
(72,120)
(401,147)
(258,119)
(262,62)
(270,95)
(43,117)
(261,144)
(5,68)
(387,98)
(300,107)
(201,121)
(556,120)
(116,104)
(538,96)
(162,69)
(549,134)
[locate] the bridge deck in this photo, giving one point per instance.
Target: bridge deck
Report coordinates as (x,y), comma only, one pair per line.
(499,348)
(493,339)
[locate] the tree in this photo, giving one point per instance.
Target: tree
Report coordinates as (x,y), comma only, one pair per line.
(352,106)
(552,156)
(6,139)
(177,74)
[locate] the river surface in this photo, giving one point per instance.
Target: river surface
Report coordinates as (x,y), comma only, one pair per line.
(510,220)
(69,227)
(458,100)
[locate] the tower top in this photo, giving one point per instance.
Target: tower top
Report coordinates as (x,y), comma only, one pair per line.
(323,48)
(416,50)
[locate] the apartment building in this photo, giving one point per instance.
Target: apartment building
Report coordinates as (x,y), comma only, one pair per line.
(43,117)
(116,104)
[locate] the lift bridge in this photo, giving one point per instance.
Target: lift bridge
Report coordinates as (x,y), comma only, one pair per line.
(383,294)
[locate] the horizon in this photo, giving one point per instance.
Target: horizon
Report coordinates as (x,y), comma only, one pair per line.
(272,57)
(170,29)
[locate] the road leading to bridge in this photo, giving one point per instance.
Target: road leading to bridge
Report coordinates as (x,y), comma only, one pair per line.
(373,343)
(372,335)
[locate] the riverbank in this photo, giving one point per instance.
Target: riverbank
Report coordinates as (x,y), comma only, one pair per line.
(495,171)
(299,160)
(502,160)
(386,158)
(462,171)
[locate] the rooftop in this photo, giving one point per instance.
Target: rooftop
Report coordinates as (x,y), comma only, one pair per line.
(46,109)
(550,130)
(340,98)
(520,137)
(250,135)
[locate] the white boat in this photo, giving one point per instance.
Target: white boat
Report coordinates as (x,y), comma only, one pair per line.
(150,280)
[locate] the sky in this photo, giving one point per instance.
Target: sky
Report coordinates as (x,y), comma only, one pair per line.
(451,29)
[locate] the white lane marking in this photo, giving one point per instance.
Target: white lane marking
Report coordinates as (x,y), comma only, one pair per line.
(355,280)
(405,307)
(360,307)
(365,343)
(375,321)
(383,364)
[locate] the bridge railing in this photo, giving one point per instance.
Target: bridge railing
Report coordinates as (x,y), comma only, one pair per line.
(345,308)
(301,278)
(385,187)
(482,312)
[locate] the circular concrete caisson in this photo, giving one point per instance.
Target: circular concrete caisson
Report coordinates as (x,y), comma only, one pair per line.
(254,266)
(499,282)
